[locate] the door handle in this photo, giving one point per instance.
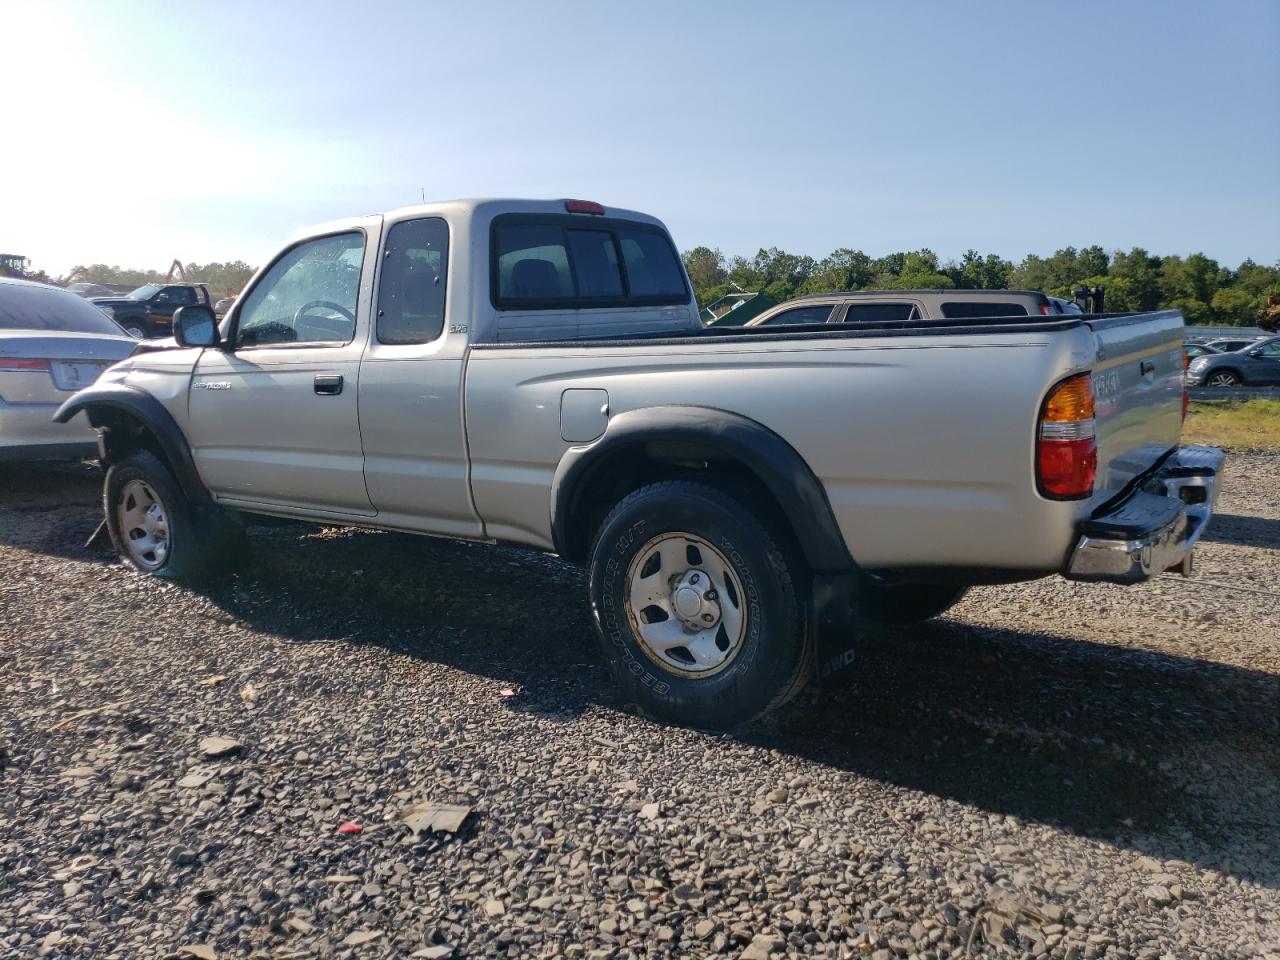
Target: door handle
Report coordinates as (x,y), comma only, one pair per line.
(328,384)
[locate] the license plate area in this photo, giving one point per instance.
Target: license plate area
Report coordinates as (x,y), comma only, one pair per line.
(69,375)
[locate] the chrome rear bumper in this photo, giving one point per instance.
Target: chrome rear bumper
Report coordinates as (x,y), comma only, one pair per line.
(1156,527)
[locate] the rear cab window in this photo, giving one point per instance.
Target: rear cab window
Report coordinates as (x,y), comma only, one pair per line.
(557,262)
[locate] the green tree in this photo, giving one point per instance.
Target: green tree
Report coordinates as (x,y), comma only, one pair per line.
(707,272)
(842,269)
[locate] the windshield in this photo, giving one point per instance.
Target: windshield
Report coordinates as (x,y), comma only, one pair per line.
(145,292)
(36,307)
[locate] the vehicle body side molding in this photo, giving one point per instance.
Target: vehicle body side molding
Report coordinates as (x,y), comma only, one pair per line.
(719,435)
(99,401)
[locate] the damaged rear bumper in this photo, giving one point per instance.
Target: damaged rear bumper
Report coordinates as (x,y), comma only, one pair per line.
(1156,527)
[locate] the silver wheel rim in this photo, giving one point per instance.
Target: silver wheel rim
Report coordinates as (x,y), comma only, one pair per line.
(135,332)
(686,605)
(144,525)
(1222,380)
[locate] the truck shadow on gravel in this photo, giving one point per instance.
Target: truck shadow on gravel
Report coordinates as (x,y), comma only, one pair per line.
(1166,755)
(1244,531)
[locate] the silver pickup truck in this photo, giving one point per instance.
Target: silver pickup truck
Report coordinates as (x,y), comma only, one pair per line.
(534,372)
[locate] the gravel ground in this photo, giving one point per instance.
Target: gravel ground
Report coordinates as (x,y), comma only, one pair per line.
(1052,769)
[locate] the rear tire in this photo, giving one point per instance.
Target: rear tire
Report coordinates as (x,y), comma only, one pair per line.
(158,532)
(696,608)
(897,603)
(1223,378)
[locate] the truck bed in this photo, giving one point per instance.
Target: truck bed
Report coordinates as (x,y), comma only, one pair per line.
(942,415)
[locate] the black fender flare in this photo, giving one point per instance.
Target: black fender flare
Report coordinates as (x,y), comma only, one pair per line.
(725,436)
(102,398)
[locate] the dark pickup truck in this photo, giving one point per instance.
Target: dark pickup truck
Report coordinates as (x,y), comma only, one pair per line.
(148,311)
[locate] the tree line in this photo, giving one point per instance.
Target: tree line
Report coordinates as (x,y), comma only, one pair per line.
(223,279)
(1205,291)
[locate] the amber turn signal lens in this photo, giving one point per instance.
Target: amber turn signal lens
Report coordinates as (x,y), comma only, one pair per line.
(1072,399)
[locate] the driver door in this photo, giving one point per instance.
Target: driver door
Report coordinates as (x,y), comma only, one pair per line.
(273,419)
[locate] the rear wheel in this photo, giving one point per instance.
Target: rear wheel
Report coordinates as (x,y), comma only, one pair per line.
(697,610)
(1223,378)
(157,531)
(890,602)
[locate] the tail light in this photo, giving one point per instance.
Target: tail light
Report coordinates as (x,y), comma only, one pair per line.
(584,206)
(13,364)
(1067,448)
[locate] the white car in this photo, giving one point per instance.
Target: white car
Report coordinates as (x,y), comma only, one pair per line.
(52,343)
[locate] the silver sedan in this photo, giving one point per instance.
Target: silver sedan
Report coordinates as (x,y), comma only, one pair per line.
(52,343)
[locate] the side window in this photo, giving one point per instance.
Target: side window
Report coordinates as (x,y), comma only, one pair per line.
(1271,349)
(308,295)
(799,315)
(880,312)
(411,287)
(652,267)
(979,308)
(182,295)
(164,296)
(532,263)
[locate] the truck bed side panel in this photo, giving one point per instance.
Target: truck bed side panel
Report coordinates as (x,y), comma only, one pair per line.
(923,443)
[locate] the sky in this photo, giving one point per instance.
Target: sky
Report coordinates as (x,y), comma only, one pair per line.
(137,132)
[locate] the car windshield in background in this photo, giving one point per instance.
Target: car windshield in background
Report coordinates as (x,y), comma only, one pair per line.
(145,292)
(34,307)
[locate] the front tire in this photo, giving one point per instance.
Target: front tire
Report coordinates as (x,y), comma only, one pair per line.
(157,532)
(697,610)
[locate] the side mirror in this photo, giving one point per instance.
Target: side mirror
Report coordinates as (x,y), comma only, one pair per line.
(1255,353)
(195,326)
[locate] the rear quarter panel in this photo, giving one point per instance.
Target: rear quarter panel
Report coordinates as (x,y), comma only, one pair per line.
(924,444)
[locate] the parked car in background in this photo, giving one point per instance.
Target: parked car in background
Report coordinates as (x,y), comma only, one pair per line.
(743,498)
(904,306)
(86,289)
(222,306)
(1194,349)
(1256,364)
(148,311)
(1229,344)
(52,343)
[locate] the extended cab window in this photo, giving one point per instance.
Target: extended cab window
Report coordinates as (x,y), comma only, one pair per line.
(799,315)
(881,312)
(308,295)
(569,262)
(411,287)
(982,308)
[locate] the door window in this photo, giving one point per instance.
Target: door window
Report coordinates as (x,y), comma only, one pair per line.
(308,295)
(817,314)
(880,312)
(412,284)
(1271,350)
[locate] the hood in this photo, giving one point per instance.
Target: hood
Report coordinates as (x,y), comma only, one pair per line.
(112,301)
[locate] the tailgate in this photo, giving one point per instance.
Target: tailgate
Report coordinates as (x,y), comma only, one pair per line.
(1137,378)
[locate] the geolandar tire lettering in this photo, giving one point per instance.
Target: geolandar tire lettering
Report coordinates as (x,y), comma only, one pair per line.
(696,607)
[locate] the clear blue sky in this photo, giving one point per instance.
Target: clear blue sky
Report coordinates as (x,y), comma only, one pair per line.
(205,131)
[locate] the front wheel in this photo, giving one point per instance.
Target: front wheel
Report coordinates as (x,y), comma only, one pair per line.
(697,609)
(157,531)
